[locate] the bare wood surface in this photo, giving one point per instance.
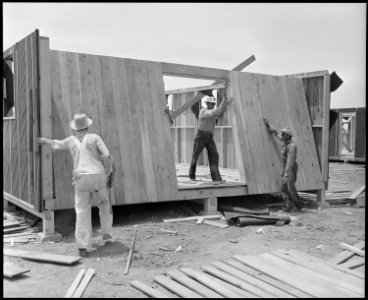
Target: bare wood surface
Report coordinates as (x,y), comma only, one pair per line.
(148,290)
(11,270)
(352,249)
(83,284)
(75,283)
(176,288)
(192,284)
(40,256)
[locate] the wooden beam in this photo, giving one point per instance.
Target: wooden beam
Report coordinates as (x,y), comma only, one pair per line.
(199,96)
(197,89)
(352,249)
(309,74)
(40,256)
(22,204)
(45,125)
(180,70)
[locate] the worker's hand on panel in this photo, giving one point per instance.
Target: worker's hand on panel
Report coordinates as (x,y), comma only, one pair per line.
(266,122)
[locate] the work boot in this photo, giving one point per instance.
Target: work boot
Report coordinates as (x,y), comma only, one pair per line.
(83,252)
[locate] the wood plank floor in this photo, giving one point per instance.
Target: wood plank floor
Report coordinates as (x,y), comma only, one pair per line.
(278,274)
(203,177)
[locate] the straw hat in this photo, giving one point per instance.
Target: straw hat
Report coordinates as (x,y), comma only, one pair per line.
(80,121)
(288,131)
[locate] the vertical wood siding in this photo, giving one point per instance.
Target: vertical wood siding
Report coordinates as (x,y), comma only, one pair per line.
(360,135)
(126,100)
(282,100)
(20,159)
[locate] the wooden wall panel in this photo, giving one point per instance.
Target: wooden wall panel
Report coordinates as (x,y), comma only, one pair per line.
(18,136)
(257,96)
(360,136)
(7,156)
(126,100)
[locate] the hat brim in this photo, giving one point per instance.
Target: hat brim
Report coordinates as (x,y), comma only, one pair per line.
(89,123)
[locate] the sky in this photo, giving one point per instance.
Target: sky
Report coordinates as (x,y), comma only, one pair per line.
(285,38)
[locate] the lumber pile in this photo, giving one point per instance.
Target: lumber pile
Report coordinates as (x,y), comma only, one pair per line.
(336,197)
(276,274)
(17,231)
(351,258)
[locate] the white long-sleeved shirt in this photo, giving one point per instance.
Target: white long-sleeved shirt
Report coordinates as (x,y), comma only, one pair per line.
(207,118)
(88,155)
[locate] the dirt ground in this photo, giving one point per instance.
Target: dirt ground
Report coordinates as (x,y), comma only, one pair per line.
(314,231)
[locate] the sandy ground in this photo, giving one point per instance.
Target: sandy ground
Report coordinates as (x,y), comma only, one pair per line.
(313,231)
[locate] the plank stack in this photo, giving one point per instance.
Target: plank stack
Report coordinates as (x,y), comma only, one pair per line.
(17,231)
(280,273)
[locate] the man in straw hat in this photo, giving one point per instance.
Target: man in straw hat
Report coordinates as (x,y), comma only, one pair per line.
(89,156)
(292,202)
(204,138)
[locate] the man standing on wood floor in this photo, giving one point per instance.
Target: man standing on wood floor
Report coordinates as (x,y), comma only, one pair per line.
(204,138)
(292,202)
(90,156)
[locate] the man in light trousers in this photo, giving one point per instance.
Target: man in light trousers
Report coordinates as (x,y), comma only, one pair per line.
(89,176)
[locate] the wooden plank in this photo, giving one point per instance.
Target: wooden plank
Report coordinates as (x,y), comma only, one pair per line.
(194,71)
(255,282)
(14,229)
(20,240)
(357,192)
(268,279)
(147,290)
(11,270)
(133,83)
(75,283)
(238,282)
(45,121)
(120,149)
(311,275)
(328,272)
(8,224)
(39,256)
(6,156)
(176,288)
(206,280)
(217,224)
(169,186)
(83,285)
(289,276)
(352,249)
(62,114)
(192,218)
(192,284)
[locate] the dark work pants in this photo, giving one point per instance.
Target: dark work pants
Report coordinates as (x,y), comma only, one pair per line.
(205,139)
(290,194)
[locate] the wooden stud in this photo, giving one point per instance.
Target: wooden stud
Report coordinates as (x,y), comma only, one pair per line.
(83,284)
(352,249)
